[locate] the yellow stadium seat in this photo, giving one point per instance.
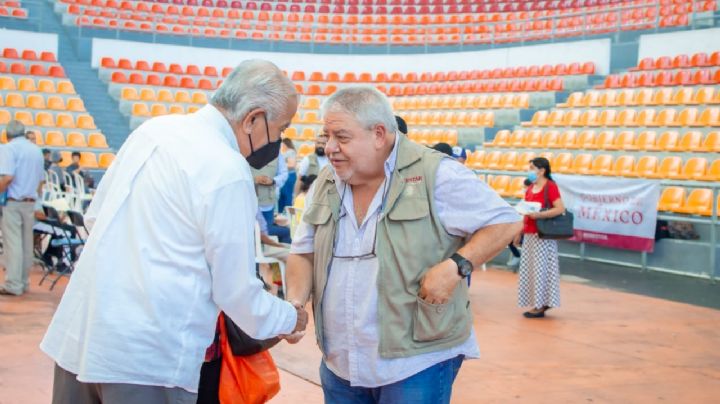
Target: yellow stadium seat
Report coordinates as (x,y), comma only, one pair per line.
(711,142)
(311,117)
(555,118)
(308,134)
(516,138)
(562,163)
(88,160)
(687,117)
(86,122)
(105,160)
(589,118)
(304,150)
(56,103)
(550,139)
(646,167)
(66,158)
(475,159)
(574,100)
(604,140)
(508,160)
(602,165)
(311,103)
(7,83)
(645,140)
(492,160)
(75,139)
(698,202)
(516,189)
(182,96)
(572,118)
(683,96)
(36,101)
(97,141)
(451,137)
(669,168)
(663,96)
(14,100)
(54,138)
(500,184)
(623,141)
(4,117)
(691,141)
(666,117)
(3,137)
(65,87)
(192,109)
(624,166)
(709,117)
(607,118)
(694,169)
(158,110)
(44,119)
(523,160)
(148,94)
(522,101)
(532,139)
(64,121)
(567,139)
(643,96)
(585,140)
(608,98)
(290,133)
(582,163)
(626,98)
(75,105)
(671,199)
(176,109)
(646,117)
(667,141)
(539,119)
(626,117)
(26,84)
(46,86)
(129,93)
(713,172)
(199,98)
(164,96)
(703,95)
(140,109)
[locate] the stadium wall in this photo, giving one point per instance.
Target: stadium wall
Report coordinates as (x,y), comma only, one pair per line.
(36,41)
(676,43)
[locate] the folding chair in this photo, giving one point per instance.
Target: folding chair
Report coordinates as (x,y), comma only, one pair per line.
(60,254)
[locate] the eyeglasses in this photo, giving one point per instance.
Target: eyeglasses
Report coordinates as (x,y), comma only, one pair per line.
(372,253)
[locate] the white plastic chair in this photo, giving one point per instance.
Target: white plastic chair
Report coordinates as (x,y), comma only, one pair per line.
(260,257)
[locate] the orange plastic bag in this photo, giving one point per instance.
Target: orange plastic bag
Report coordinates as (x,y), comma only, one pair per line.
(249,379)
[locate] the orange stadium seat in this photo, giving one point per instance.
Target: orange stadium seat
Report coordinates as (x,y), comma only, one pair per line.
(698,202)
(88,160)
(85,122)
(105,160)
(550,139)
(671,199)
(713,172)
(624,166)
(602,165)
(711,142)
(562,163)
(646,167)
(75,139)
(44,119)
(97,141)
(46,86)
(54,138)
(669,168)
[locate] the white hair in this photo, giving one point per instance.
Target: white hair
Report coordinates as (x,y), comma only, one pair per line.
(254,84)
(15,129)
(368,105)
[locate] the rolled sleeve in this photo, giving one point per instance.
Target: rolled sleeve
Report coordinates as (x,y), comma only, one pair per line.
(304,238)
(230,252)
(465,204)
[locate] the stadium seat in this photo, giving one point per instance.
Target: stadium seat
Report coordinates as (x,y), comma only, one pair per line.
(646,167)
(694,169)
(140,109)
(605,140)
(88,160)
(14,100)
(97,141)
(582,164)
(516,138)
(691,141)
(182,96)
(671,199)
(508,160)
(75,139)
(709,117)
(36,101)
(65,87)
(46,86)
(64,121)
(698,202)
(585,140)
(75,104)
(711,142)
(516,189)
(105,160)
(624,166)
(54,138)
(44,119)
(562,163)
(669,168)
(668,141)
(602,165)
(85,122)
(713,172)
(500,184)
(492,160)
(550,139)
(165,95)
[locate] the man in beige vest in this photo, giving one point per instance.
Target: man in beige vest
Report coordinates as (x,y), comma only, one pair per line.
(390,233)
(312,163)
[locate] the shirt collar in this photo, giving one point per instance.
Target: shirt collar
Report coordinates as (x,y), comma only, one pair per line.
(218,121)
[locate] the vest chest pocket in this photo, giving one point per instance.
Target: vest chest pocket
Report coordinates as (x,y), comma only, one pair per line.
(409,209)
(317,214)
(434,321)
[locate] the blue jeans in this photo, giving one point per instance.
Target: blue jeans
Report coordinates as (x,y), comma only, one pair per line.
(282,232)
(286,192)
(431,386)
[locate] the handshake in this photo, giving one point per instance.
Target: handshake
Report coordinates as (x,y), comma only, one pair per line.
(300,325)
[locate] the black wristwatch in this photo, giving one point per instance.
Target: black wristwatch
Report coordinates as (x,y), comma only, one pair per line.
(465,267)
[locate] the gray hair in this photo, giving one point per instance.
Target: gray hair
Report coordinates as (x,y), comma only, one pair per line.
(254,84)
(15,129)
(368,105)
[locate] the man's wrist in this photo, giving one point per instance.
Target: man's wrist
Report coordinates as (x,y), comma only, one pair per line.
(454,270)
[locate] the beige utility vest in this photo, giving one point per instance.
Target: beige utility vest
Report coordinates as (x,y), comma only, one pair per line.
(266,193)
(313,165)
(410,240)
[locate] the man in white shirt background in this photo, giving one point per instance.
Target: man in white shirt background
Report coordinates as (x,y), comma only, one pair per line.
(172,244)
(313,163)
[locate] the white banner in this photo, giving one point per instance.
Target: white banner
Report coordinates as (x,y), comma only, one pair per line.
(613,212)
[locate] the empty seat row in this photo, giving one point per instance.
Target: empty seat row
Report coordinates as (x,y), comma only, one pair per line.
(691,141)
(53,138)
(627,117)
(167,81)
(46,119)
(13,12)
(696,201)
(432,137)
(89,160)
(462,102)
(163,95)
(663,78)
(28,54)
(38,101)
(644,96)
(470,119)
(142,109)
(160,67)
(307,134)
(671,167)
(700,59)
(42,85)
(33,70)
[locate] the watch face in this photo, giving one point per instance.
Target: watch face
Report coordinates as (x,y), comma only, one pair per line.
(465,268)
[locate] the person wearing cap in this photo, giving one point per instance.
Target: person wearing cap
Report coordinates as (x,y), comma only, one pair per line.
(21,175)
(54,167)
(459,154)
(47,157)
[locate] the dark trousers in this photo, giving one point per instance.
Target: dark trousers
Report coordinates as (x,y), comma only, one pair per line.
(281,232)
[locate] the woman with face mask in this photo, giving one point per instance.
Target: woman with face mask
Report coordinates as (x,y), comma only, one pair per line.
(539,280)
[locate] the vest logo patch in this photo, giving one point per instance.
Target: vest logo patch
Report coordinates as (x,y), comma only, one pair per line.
(414,180)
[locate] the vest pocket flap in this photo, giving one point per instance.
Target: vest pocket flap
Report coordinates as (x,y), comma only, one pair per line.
(434,321)
(409,209)
(317,214)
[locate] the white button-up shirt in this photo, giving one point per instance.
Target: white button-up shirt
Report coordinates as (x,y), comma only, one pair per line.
(172,244)
(464,205)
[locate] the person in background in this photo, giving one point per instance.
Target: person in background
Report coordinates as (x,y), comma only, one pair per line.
(21,176)
(401,124)
(31,135)
(459,154)
(46,157)
(268,181)
(539,280)
(289,153)
(305,183)
(54,167)
(74,168)
(171,246)
(443,148)
(313,163)
(390,232)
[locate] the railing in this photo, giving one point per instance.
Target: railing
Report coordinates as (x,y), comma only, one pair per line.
(460,36)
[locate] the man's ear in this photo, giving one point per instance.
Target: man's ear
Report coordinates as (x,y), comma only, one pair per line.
(249,121)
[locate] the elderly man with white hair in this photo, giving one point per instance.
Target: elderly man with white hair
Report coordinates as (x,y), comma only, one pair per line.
(390,233)
(172,244)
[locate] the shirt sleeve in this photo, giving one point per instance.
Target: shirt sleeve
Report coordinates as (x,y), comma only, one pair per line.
(261,221)
(553,192)
(303,167)
(465,204)
(304,239)
(227,220)
(282,173)
(7,162)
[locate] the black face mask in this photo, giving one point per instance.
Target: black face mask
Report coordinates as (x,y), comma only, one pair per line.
(263,156)
(320,151)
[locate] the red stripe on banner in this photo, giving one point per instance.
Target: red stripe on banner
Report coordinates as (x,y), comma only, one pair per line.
(615,240)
